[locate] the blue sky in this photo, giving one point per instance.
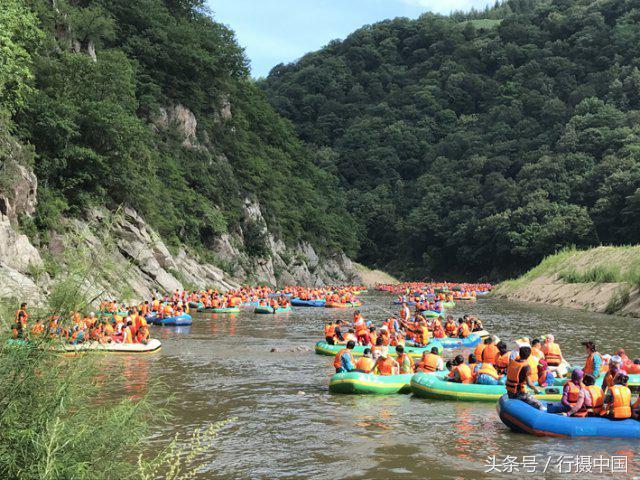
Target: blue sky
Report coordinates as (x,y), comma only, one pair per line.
(281,31)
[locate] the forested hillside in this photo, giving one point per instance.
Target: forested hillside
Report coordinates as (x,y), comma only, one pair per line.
(148,104)
(479,144)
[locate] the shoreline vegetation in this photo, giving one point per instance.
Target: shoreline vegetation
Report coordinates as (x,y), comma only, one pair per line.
(59,418)
(603,280)
(370,278)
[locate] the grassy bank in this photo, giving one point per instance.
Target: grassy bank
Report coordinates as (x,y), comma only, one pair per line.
(602,279)
(372,277)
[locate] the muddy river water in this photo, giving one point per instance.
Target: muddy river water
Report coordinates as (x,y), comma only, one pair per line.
(287,424)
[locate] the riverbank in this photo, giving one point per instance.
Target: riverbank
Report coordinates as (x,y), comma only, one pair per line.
(370,278)
(602,280)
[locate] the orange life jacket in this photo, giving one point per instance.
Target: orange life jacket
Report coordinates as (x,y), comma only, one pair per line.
(573,394)
(464,373)
(329,330)
(385,366)
(337,361)
(365,364)
(464,330)
(490,354)
(588,366)
(406,363)
(597,398)
(620,407)
(478,350)
(514,385)
(488,369)
(424,334)
(503,361)
(429,363)
(552,354)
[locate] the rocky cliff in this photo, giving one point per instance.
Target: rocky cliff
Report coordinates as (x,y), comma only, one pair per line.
(127,257)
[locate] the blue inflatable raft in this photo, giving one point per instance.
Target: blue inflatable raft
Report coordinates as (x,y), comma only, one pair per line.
(523,418)
(453,342)
(184,319)
(296,302)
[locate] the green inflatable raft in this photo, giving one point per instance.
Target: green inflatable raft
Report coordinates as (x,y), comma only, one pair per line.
(358,383)
(265,310)
(220,310)
(430,386)
(323,348)
(368,383)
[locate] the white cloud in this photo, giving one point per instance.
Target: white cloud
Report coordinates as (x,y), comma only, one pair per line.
(447,6)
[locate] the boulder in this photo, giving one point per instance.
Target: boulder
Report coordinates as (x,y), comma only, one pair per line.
(16,251)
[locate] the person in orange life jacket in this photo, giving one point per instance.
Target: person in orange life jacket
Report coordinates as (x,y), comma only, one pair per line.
(536,349)
(617,399)
(365,363)
(518,377)
(460,371)
(405,313)
(351,336)
(594,359)
(330,331)
(385,365)
(373,335)
(504,357)
(344,361)
(463,329)
(490,352)
(338,337)
(551,351)
(596,396)
(623,356)
(405,362)
(488,375)
(574,397)
(480,348)
(476,324)
(438,331)
(615,365)
(430,362)
(472,361)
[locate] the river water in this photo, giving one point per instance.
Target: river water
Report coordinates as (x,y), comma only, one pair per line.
(287,425)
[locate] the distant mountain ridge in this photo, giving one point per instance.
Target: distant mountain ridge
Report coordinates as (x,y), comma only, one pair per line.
(476,144)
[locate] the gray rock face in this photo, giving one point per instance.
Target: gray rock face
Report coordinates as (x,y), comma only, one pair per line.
(18,286)
(300,265)
(182,119)
(126,254)
(21,197)
(16,251)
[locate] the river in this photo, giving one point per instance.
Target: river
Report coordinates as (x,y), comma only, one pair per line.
(287,425)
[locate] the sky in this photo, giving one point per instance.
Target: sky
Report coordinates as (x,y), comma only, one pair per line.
(281,31)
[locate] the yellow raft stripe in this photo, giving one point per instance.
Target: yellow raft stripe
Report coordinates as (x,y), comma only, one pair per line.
(369,384)
(72,353)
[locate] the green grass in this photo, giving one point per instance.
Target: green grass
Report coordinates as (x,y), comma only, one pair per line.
(596,265)
(597,274)
(618,300)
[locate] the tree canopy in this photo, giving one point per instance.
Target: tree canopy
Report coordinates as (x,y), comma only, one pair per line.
(478,143)
(89,85)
